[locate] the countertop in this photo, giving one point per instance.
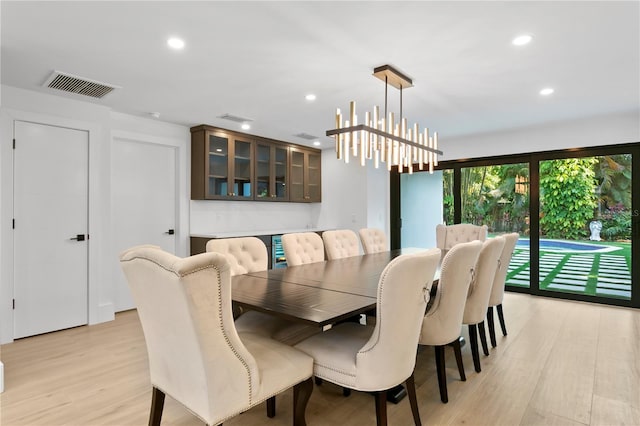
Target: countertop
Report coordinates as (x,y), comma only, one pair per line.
(217,234)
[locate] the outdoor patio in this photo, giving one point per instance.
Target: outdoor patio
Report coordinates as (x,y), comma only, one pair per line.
(606,274)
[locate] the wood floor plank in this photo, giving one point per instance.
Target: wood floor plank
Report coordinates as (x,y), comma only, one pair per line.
(557,355)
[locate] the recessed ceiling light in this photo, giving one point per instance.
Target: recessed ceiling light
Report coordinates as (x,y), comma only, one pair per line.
(316,143)
(310,97)
(245,126)
(521,40)
(546,91)
(175,43)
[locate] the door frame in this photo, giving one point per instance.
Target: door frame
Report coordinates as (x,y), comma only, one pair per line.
(8,117)
(180,208)
(182,182)
(533,159)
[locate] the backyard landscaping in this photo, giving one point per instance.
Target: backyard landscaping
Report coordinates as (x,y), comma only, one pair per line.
(605,274)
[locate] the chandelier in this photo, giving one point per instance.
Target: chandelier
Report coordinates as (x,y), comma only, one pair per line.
(381,138)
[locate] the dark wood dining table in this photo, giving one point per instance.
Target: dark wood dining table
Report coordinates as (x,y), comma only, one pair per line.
(320,293)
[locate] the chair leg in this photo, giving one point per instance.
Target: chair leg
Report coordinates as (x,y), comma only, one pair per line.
(413,400)
(483,338)
(457,351)
(381,408)
(473,341)
(442,374)
(301,394)
(157,404)
(271,407)
(318,381)
(492,330)
(346,392)
(501,318)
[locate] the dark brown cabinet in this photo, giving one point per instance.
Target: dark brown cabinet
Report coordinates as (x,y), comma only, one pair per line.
(221,166)
(227,165)
(305,181)
(272,171)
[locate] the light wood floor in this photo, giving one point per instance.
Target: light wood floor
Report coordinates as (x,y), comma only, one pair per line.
(563,363)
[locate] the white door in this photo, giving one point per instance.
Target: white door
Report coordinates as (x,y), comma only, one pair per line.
(51,181)
(143,187)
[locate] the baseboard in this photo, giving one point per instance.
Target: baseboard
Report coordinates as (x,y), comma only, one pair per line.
(105,313)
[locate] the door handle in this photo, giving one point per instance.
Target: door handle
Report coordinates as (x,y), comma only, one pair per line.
(79,237)
(170,232)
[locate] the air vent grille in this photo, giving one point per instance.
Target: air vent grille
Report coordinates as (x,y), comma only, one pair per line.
(235,118)
(80,85)
(306,136)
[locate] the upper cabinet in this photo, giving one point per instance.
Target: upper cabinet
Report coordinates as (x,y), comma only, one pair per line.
(305,175)
(227,165)
(221,166)
(272,171)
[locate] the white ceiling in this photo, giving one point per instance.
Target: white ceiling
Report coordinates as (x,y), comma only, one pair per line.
(259,59)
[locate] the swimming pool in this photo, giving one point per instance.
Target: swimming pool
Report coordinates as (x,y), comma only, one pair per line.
(561,246)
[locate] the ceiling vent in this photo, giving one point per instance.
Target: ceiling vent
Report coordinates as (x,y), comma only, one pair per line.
(306,136)
(80,85)
(234,118)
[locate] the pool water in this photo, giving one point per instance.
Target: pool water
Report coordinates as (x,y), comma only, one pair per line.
(567,246)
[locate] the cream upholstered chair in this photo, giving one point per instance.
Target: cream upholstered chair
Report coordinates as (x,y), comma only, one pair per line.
(441,325)
(373,240)
(195,353)
(340,243)
(475,307)
(497,290)
(245,254)
(448,236)
(249,254)
(303,247)
(376,358)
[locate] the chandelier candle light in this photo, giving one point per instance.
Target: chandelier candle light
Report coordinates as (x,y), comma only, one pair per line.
(382,139)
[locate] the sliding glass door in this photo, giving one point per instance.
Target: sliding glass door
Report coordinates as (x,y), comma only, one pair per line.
(585,215)
(498,196)
(578,220)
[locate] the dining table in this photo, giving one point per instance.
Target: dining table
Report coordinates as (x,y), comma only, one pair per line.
(320,293)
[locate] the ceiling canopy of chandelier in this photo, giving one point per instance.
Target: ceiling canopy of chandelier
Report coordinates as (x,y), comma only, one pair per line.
(381,138)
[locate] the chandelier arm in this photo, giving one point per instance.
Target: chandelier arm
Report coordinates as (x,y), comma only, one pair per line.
(361,127)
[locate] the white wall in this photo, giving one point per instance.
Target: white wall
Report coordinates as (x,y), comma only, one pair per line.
(211,217)
(594,131)
(102,124)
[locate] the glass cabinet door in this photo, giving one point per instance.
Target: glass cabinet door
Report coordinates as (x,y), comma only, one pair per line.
(242,169)
(313,189)
(280,173)
(297,176)
(263,171)
(218,166)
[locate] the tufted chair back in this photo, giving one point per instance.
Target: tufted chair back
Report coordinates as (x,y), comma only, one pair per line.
(301,248)
(248,254)
(403,293)
(475,308)
(373,240)
(340,243)
(195,353)
(497,289)
(449,236)
(442,323)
